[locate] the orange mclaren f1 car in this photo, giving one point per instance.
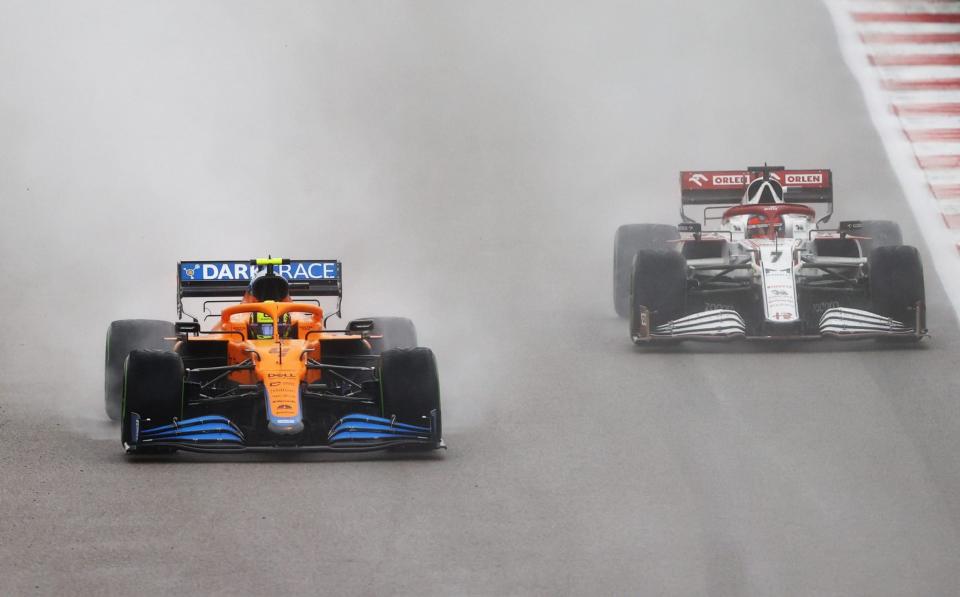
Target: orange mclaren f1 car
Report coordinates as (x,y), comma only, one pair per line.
(269,375)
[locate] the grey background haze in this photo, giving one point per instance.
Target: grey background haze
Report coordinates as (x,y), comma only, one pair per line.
(469,163)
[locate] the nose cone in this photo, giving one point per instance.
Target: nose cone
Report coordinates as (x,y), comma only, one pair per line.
(284,414)
(285,426)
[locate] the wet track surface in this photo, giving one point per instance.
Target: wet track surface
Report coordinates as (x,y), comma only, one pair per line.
(476,160)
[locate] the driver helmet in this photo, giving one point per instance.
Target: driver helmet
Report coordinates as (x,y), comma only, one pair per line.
(261,325)
(761,226)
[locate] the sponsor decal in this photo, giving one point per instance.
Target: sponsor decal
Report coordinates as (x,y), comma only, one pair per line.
(191,271)
(283,395)
(821,307)
(729,179)
(780,304)
(305,270)
(802,179)
(211,271)
(717,306)
(779,291)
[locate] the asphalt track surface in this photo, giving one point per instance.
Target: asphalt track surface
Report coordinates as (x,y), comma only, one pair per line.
(469,163)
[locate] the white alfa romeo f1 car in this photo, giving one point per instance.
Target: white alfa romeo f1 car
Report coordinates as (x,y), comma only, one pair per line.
(760,265)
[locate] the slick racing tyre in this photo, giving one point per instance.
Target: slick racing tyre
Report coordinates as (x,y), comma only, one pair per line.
(659,283)
(409,385)
(881,233)
(396,332)
(629,239)
(896,283)
(122,337)
(152,388)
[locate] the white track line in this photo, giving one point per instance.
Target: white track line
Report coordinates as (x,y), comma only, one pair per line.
(918,73)
(936,148)
(913,49)
(903,27)
(927,123)
(924,97)
(944,177)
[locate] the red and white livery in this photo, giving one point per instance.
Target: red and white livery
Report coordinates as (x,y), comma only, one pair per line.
(759,263)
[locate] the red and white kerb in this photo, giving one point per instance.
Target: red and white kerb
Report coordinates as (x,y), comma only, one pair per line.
(906,56)
(914,48)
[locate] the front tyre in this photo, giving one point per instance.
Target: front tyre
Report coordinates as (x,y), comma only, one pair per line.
(629,239)
(896,284)
(410,386)
(659,284)
(122,337)
(152,388)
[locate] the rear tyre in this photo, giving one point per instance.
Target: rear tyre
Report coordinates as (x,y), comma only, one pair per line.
(882,233)
(896,284)
(122,337)
(629,239)
(410,386)
(397,332)
(659,283)
(153,388)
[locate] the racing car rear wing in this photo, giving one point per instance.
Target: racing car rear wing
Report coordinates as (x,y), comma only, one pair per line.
(230,279)
(728,186)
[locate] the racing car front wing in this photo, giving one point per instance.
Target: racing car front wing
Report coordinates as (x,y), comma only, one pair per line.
(217,434)
(724,324)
